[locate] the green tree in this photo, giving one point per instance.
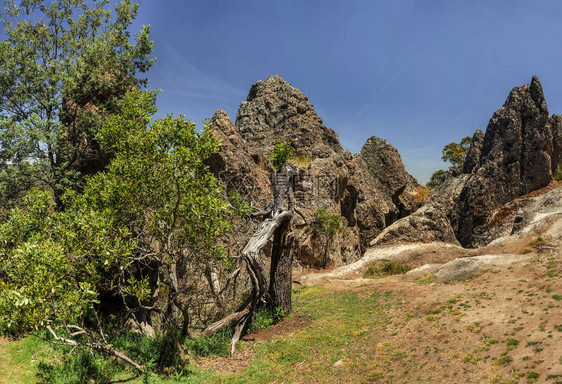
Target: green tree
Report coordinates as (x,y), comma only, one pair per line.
(159,186)
(327,226)
(58,77)
(438,178)
(154,208)
(454,153)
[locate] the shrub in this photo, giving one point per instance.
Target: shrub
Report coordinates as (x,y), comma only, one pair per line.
(326,224)
(281,155)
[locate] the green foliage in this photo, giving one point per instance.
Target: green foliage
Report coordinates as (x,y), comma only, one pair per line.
(438,178)
(161,353)
(239,205)
(558,173)
(325,224)
(532,376)
(156,202)
(281,155)
(454,153)
(158,183)
(67,253)
(217,344)
(81,366)
(265,317)
(59,76)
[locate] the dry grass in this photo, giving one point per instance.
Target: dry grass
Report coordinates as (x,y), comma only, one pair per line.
(303,160)
(421,195)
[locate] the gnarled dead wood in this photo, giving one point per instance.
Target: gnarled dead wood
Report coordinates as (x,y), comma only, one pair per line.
(256,269)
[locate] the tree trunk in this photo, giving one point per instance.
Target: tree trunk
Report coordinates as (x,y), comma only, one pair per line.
(279,225)
(281,274)
(256,270)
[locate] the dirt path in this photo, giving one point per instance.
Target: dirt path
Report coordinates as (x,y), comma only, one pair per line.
(500,323)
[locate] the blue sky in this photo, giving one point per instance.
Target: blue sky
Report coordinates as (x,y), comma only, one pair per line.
(461,57)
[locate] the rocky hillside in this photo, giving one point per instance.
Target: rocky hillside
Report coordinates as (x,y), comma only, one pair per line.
(369,191)
(517,156)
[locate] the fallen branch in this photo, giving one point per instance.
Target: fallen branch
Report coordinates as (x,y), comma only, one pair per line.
(100,347)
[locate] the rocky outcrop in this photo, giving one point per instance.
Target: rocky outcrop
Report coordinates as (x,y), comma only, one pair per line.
(527,214)
(473,155)
(556,124)
(461,268)
(368,191)
(430,223)
(275,109)
(234,166)
(517,157)
(388,191)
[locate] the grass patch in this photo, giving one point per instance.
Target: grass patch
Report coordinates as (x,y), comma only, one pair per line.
(421,195)
(504,359)
(345,325)
(265,318)
(532,377)
(537,242)
(19,359)
(388,268)
(512,343)
(425,279)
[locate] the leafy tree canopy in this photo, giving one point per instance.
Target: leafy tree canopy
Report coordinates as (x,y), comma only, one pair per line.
(454,153)
(154,207)
(58,76)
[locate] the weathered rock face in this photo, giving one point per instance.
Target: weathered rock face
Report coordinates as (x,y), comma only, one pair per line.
(235,167)
(556,124)
(388,191)
(516,158)
(528,214)
(275,109)
(430,223)
(473,155)
(368,192)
